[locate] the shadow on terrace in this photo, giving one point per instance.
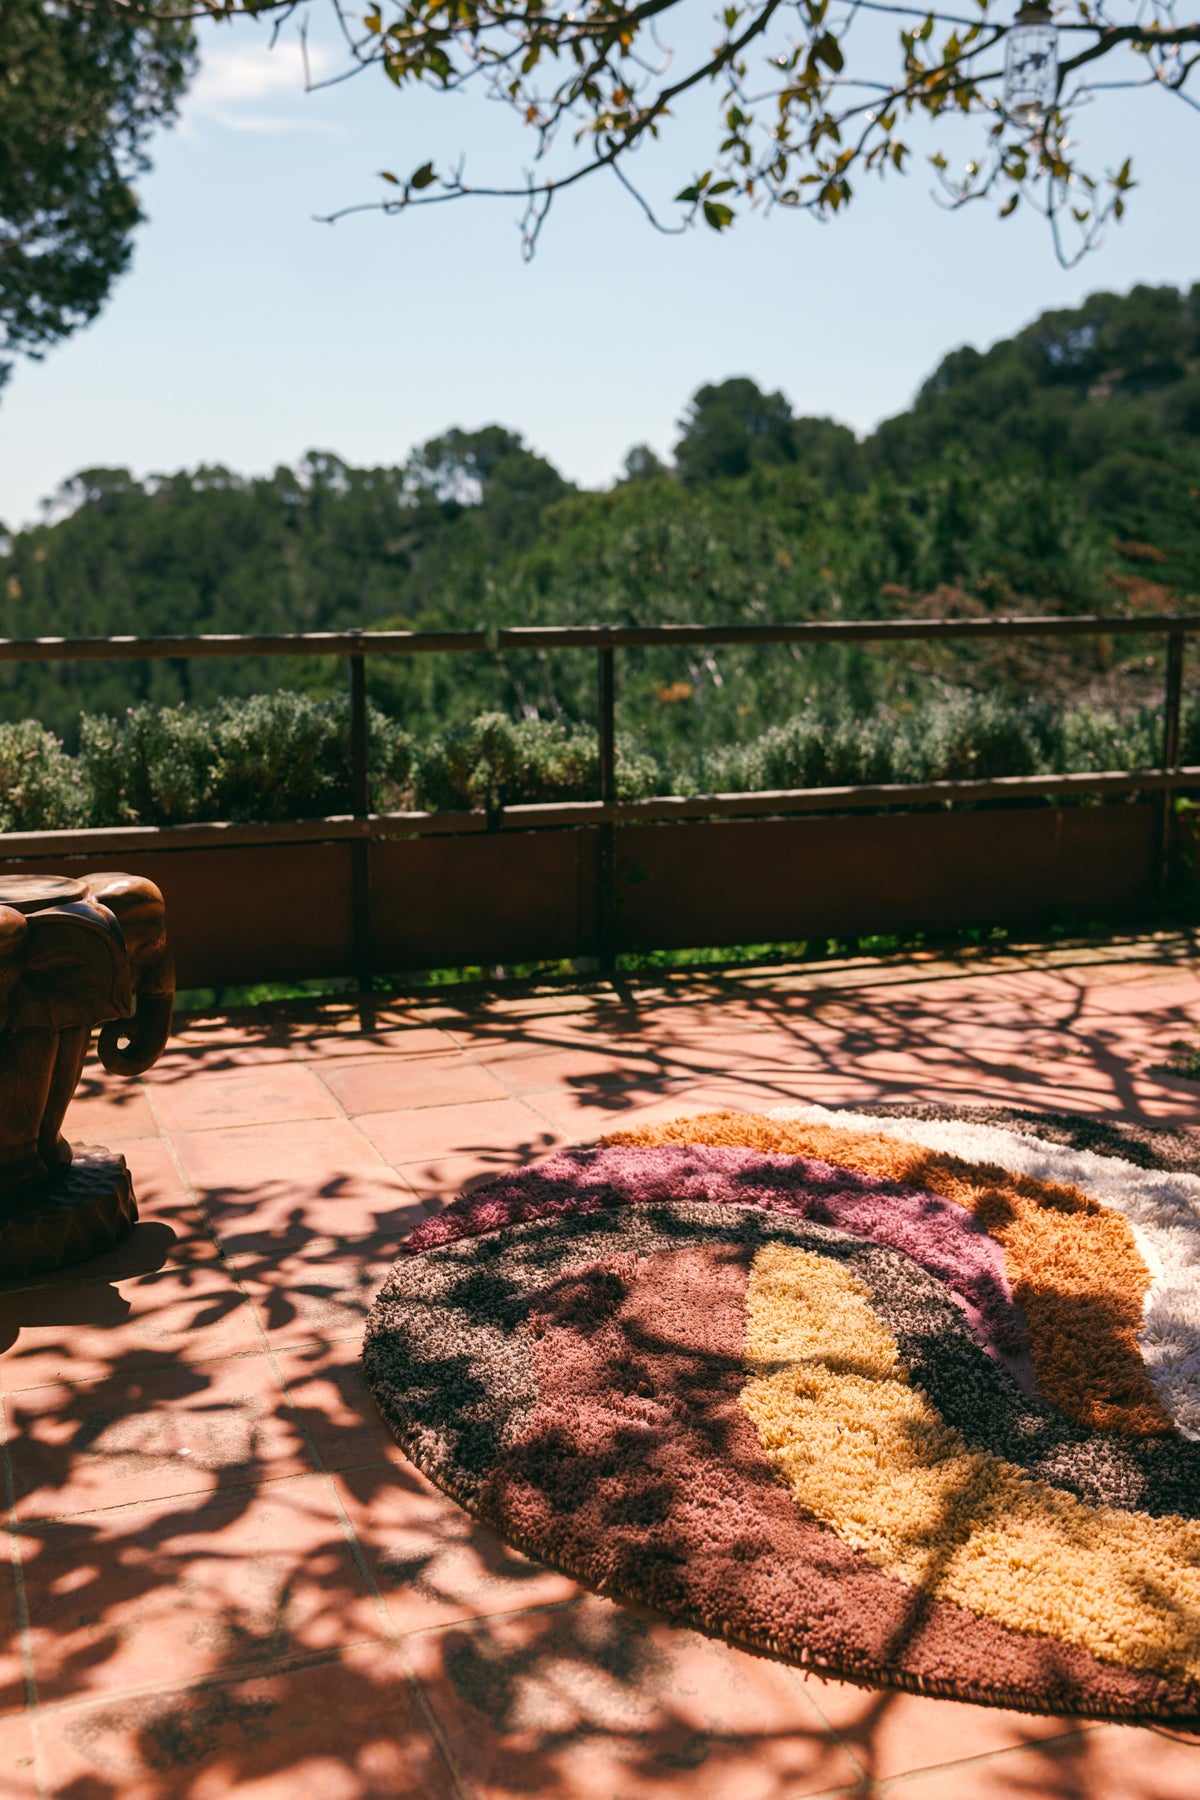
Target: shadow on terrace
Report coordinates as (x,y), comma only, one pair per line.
(226,1577)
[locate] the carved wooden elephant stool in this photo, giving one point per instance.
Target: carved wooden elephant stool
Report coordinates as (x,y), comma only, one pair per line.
(73,954)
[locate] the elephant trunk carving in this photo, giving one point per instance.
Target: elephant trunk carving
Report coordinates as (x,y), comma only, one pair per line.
(73,955)
(138,906)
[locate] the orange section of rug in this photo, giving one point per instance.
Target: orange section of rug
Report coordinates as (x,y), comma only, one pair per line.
(1074,1265)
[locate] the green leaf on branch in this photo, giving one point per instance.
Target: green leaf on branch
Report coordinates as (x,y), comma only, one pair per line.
(829,51)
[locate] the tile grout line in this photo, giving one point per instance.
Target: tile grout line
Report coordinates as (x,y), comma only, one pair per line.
(342,1113)
(352,1121)
(522,1100)
(801,1679)
(190,1190)
(508,1094)
(374,1593)
(529,1101)
(230,1673)
(895,1784)
(33,1709)
(255,1485)
(164,1362)
(536,1610)
(185,1180)
(1076,1729)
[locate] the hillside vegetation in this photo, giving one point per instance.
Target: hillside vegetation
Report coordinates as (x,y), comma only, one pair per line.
(1058,471)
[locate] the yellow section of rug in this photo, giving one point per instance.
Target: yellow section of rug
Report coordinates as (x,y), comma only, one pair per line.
(869,1455)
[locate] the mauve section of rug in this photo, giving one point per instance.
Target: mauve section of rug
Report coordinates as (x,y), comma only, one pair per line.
(937,1234)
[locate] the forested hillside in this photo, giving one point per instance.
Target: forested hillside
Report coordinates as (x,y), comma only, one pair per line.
(1058,471)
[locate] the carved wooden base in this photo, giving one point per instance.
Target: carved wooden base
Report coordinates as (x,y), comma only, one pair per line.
(83,1209)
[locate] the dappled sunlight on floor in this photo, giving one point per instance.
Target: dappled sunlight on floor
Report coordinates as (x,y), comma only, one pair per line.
(225,1578)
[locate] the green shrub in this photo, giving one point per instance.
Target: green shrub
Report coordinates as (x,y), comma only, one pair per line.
(40,786)
(813,750)
(966,737)
(971,737)
(287,756)
(496,761)
(1189,731)
(1095,738)
(271,757)
(155,765)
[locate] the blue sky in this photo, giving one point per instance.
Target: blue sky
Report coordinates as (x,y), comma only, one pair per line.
(246,333)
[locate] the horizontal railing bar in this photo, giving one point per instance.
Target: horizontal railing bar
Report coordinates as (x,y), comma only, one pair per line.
(568,637)
(829,631)
(340,827)
(345,827)
(843,799)
(286,643)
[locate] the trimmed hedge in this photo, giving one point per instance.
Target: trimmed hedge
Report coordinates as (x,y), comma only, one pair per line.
(967,737)
(272,757)
(287,755)
(495,761)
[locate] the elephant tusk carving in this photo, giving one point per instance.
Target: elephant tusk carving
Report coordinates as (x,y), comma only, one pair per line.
(73,955)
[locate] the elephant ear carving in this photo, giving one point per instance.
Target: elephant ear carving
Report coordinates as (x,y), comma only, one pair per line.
(138,906)
(72,970)
(14,930)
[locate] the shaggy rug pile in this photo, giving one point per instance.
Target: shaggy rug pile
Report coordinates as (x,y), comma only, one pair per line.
(910,1397)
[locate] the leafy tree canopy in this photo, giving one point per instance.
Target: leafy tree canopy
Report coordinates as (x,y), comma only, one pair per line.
(643,464)
(734,427)
(729,428)
(1117,376)
(807,98)
(81,89)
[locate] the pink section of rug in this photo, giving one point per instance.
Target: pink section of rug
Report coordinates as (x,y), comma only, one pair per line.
(938,1235)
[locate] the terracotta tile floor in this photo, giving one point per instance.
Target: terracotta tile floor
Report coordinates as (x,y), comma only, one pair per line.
(225,1579)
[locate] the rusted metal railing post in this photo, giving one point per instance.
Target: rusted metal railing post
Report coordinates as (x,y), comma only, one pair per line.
(1172,705)
(360,806)
(606,697)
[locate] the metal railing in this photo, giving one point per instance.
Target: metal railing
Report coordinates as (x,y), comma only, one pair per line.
(361,826)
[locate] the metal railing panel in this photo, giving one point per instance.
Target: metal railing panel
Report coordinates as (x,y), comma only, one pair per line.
(362,827)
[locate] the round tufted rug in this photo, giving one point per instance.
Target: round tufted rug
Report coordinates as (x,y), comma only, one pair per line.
(909,1399)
